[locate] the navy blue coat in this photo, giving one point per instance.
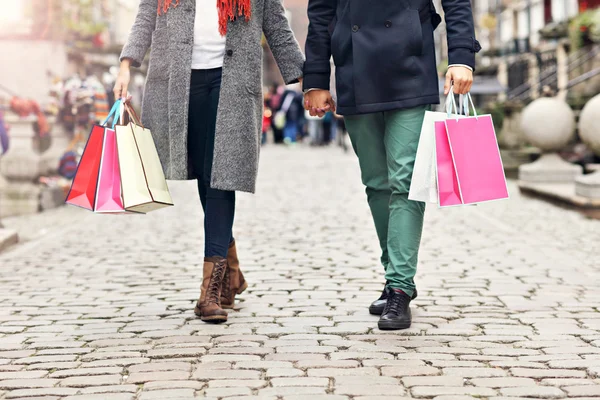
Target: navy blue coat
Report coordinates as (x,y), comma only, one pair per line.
(383,50)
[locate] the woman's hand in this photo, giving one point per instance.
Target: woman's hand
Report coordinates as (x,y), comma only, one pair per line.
(122,82)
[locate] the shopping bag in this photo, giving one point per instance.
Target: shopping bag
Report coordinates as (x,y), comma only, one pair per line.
(84,187)
(448,189)
(108,194)
(155,176)
(139,165)
(423,185)
(476,156)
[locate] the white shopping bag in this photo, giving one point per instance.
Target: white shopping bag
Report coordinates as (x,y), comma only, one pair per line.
(423,186)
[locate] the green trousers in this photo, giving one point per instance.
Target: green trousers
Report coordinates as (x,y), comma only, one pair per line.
(386,145)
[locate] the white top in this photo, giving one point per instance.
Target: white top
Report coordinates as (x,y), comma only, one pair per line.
(209,45)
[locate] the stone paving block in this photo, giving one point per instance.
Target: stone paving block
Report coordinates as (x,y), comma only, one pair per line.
(328,364)
(37,393)
(201,374)
(143,377)
(86,372)
(160,366)
(337,372)
(22,375)
(109,389)
(45,359)
(370,390)
(27,383)
(228,392)
(50,366)
(432,381)
(475,372)
(226,383)
(540,392)
(409,371)
(291,391)
(113,396)
(583,391)
(160,385)
(300,381)
(318,397)
(166,394)
(560,382)
(503,382)
(284,372)
(433,391)
(118,362)
(97,380)
(547,373)
(263,365)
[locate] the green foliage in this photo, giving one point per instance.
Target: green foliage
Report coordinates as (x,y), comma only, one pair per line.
(584,27)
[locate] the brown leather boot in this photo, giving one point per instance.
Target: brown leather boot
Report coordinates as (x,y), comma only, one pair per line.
(234,282)
(208,307)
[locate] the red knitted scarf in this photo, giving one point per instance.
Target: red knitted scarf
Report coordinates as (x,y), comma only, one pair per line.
(229,10)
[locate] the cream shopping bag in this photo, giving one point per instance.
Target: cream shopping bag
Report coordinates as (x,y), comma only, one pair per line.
(143,182)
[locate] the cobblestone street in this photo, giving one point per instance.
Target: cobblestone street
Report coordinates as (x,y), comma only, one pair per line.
(101,307)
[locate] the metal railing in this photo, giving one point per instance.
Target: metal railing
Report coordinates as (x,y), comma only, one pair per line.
(548,66)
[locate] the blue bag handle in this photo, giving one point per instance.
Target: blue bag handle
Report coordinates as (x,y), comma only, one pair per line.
(115,110)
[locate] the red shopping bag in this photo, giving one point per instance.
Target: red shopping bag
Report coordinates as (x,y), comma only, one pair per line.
(84,186)
(108,194)
(477,159)
(448,189)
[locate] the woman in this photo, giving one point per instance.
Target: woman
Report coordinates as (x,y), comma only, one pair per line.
(203,104)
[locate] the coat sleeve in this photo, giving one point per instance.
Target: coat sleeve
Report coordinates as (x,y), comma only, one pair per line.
(460,27)
(317,68)
(282,41)
(140,37)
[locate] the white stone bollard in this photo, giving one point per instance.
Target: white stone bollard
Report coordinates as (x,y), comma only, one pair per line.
(22,167)
(549,124)
(589,131)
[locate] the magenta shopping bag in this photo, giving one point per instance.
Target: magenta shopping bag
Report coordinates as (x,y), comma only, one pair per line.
(448,189)
(477,161)
(108,194)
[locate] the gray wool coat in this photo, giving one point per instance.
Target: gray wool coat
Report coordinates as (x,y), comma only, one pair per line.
(170,36)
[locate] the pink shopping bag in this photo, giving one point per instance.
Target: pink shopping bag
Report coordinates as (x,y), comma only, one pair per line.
(477,161)
(448,189)
(108,193)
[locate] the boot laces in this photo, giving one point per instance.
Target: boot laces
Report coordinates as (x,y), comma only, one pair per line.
(212,295)
(396,302)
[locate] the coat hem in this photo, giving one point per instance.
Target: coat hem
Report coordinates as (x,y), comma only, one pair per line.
(389,106)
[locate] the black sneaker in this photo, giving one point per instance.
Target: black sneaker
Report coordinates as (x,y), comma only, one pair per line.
(396,314)
(376,307)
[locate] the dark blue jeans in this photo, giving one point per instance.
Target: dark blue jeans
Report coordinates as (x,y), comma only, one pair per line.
(218,205)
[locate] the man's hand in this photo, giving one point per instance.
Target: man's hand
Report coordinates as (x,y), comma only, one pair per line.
(319,102)
(461,77)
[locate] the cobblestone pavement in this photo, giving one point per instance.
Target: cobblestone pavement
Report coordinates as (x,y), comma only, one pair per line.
(100,307)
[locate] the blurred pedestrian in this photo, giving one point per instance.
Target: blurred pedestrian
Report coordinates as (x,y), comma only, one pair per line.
(202,102)
(275,103)
(386,79)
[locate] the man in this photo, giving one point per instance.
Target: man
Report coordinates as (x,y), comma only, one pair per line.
(386,78)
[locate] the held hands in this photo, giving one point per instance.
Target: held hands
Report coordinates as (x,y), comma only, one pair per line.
(461,77)
(318,102)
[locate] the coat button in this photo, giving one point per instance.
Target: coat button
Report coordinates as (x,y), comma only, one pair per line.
(229,53)
(355,28)
(388,24)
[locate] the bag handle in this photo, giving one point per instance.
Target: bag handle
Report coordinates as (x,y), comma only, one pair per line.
(113,113)
(464,101)
(133,114)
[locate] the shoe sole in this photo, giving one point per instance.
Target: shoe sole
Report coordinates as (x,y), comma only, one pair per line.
(393,325)
(213,319)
